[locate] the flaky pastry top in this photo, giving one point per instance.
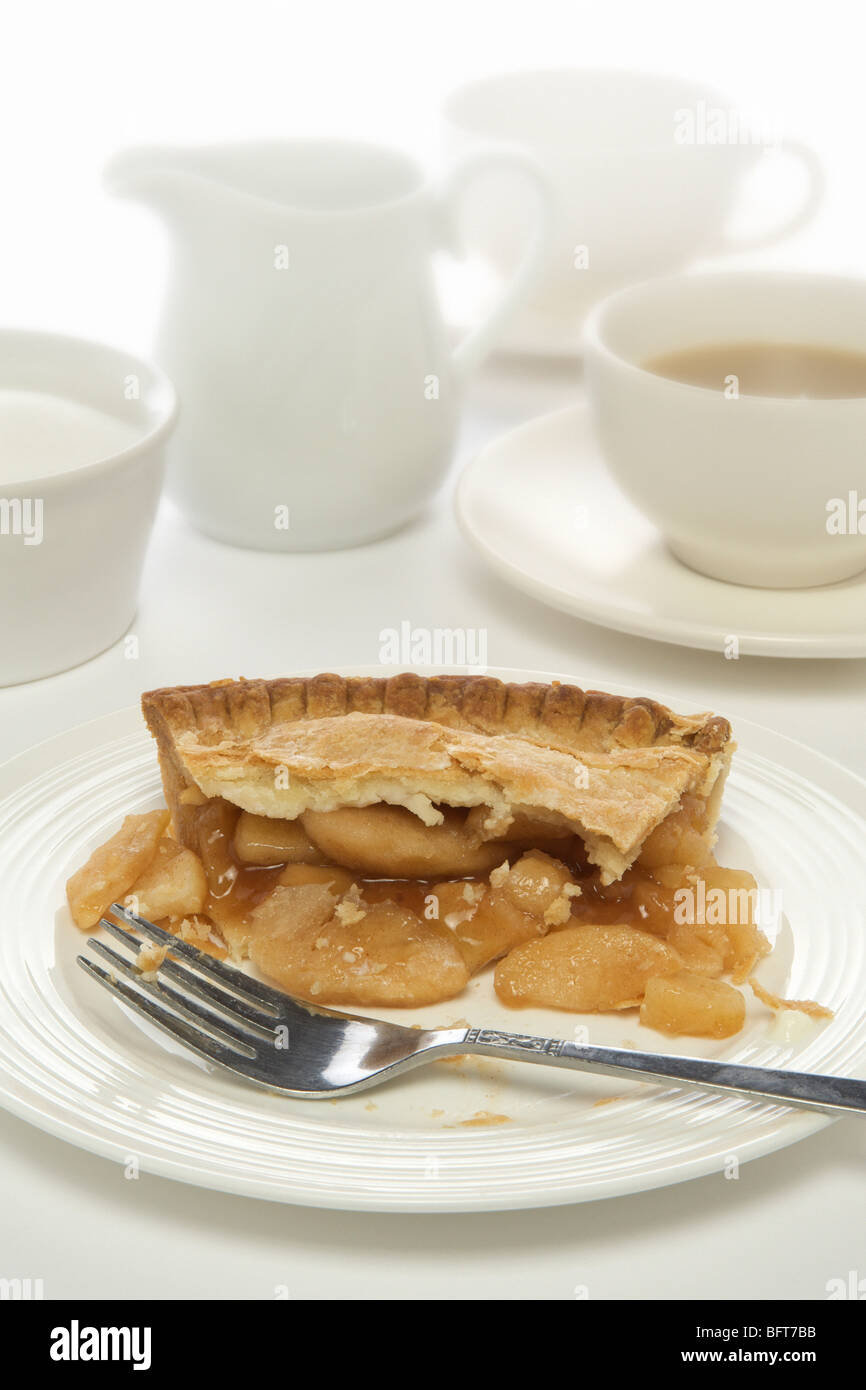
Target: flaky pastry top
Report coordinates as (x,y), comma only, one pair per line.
(613,768)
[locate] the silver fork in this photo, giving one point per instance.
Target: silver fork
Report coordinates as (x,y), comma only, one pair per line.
(313,1053)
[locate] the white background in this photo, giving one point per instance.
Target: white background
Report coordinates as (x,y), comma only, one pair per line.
(76,82)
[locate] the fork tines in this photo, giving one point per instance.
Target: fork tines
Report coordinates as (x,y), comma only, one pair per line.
(212,1008)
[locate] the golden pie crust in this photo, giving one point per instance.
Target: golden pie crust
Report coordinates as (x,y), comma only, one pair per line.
(610,768)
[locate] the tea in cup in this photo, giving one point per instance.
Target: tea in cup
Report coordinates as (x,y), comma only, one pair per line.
(731,409)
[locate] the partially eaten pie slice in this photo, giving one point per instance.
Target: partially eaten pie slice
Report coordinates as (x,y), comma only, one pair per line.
(379,841)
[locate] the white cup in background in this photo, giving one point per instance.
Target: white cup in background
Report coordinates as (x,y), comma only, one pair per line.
(646,172)
(83,429)
(744,488)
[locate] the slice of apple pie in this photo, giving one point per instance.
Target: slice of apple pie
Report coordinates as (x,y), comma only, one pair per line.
(377,842)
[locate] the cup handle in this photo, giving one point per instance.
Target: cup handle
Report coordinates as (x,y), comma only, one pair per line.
(809,205)
(478,342)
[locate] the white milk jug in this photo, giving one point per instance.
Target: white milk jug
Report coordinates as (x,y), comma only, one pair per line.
(319,395)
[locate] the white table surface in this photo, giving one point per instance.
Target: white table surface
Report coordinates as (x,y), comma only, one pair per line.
(787,1225)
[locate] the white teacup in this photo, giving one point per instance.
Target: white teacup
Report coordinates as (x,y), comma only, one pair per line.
(754,489)
(83,430)
(646,171)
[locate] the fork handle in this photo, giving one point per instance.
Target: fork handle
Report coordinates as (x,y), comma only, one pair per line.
(804,1089)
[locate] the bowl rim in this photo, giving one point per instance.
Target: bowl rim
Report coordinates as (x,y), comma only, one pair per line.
(159,387)
(596,346)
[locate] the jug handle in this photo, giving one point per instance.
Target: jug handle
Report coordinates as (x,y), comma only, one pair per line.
(479,341)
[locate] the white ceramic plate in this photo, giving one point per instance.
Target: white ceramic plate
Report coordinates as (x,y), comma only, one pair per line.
(542,510)
(77,1065)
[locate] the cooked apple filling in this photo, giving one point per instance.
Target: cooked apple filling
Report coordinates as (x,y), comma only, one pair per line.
(368,906)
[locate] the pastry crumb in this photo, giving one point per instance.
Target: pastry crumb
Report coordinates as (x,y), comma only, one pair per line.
(149,959)
(559,911)
(498,876)
(348,912)
(486,1117)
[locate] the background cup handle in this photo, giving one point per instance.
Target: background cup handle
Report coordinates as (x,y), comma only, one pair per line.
(478,342)
(809,205)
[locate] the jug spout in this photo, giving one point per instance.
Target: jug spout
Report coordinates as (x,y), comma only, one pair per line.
(160,176)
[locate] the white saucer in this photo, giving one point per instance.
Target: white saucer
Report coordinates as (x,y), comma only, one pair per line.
(540,507)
